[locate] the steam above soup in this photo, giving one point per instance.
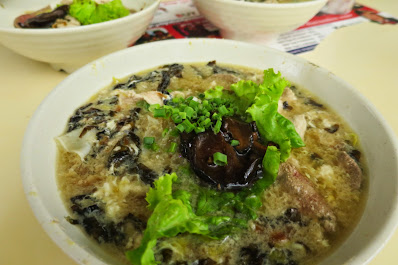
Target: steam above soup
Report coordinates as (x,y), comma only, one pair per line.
(211,164)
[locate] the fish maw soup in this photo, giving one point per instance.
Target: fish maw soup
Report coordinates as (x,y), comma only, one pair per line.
(211,164)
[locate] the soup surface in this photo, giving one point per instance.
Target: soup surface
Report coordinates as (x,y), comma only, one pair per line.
(177,165)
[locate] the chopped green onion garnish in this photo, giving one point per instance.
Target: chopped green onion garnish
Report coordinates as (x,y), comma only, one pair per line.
(189,111)
(165,131)
(175,133)
(176,118)
(220,159)
(149,140)
(235,142)
(216,116)
(143,104)
(199,129)
(159,113)
(188,126)
(172,148)
(223,110)
(217,127)
(180,127)
(149,143)
(153,107)
(193,104)
(183,115)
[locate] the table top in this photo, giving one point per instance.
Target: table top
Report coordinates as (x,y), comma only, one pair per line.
(364,55)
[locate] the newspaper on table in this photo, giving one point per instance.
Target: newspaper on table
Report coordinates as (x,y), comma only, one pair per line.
(180,19)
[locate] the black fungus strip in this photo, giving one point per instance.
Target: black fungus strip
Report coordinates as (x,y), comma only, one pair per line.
(172,70)
(287,106)
(251,255)
(91,217)
(46,20)
(312,102)
(221,70)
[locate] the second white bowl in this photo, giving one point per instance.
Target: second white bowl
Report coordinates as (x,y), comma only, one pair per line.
(257,22)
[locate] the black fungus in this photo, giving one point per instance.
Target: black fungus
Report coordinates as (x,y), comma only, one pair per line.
(45,20)
(293,214)
(91,217)
(138,224)
(207,261)
(123,158)
(315,156)
(166,254)
(221,70)
(147,175)
(251,255)
(317,159)
(287,106)
(312,102)
(164,83)
(169,72)
(135,79)
(332,129)
(355,154)
(175,69)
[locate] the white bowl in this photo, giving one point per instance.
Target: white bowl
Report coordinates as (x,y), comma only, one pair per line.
(257,22)
(71,48)
(380,217)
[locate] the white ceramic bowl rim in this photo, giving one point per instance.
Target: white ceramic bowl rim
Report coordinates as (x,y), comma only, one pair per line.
(59,235)
(110,23)
(270,5)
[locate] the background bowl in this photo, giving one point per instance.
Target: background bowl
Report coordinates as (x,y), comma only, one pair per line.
(257,22)
(71,48)
(379,144)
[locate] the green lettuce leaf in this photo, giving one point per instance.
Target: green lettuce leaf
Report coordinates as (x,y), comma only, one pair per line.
(89,12)
(264,111)
(172,215)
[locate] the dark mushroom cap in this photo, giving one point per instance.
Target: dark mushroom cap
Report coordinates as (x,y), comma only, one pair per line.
(42,20)
(244,160)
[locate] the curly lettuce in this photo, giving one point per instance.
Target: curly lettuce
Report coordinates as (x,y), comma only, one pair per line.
(89,12)
(172,215)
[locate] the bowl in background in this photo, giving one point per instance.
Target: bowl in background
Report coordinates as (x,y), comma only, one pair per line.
(71,48)
(380,147)
(257,22)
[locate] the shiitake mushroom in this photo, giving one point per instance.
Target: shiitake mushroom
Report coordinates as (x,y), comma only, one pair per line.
(244,160)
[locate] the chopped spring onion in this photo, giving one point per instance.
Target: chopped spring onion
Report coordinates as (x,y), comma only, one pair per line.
(235,142)
(220,159)
(159,113)
(223,110)
(189,111)
(217,127)
(172,148)
(149,140)
(149,143)
(189,127)
(165,131)
(180,127)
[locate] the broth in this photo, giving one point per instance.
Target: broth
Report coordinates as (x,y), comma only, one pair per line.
(105,170)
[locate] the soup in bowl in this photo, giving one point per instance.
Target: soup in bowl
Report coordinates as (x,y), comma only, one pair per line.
(177,160)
